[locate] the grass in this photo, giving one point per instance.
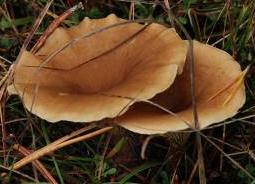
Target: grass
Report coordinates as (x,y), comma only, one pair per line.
(228,149)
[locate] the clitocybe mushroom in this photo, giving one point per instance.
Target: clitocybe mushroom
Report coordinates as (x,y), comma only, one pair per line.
(79,82)
(219,95)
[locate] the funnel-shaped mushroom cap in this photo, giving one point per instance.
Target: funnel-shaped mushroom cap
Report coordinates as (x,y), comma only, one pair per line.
(77,84)
(218,96)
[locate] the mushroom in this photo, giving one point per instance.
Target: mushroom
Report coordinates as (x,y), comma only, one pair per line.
(81,78)
(219,90)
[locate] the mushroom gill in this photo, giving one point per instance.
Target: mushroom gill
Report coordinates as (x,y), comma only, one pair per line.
(83,81)
(216,78)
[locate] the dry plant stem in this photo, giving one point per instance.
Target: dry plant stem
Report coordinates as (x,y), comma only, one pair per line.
(190,58)
(45,173)
(53,26)
(101,164)
(50,148)
(38,8)
(145,144)
(226,155)
(169,12)
(5,60)
(15,120)
(167,4)
(223,142)
(33,145)
(155,105)
(250,152)
(140,177)
(143,2)
(8,77)
(73,134)
(173,180)
(132,11)
(214,25)
(4,134)
(3,96)
(16,172)
(46,61)
(223,139)
(221,39)
(84,137)
(132,99)
(31,34)
(192,172)
(67,137)
(35,27)
(233,121)
(201,167)
(5,80)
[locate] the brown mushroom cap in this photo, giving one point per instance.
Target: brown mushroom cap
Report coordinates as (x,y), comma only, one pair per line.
(65,88)
(215,70)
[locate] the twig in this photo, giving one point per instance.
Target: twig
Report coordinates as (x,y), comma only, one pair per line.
(190,58)
(15,120)
(174,178)
(53,147)
(101,164)
(214,25)
(192,172)
(16,172)
(3,96)
(53,54)
(141,1)
(73,134)
(222,147)
(131,15)
(227,156)
(3,130)
(145,144)
(231,121)
(53,26)
(223,142)
(45,173)
(34,28)
(5,60)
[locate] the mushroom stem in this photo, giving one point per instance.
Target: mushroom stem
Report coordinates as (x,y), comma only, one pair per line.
(55,146)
